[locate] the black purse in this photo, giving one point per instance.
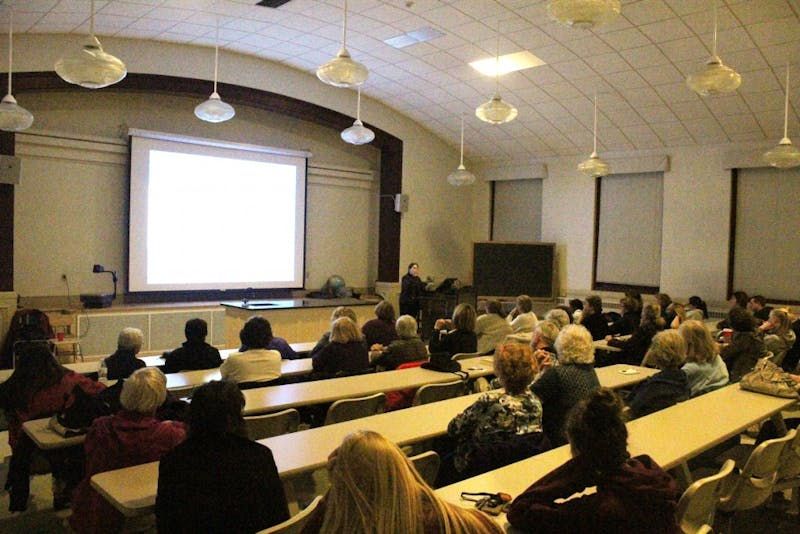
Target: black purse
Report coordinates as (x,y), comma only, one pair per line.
(75,419)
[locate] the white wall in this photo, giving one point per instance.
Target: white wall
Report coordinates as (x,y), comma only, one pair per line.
(435,233)
(696,219)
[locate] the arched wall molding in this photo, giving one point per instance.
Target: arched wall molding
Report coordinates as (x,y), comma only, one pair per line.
(390,147)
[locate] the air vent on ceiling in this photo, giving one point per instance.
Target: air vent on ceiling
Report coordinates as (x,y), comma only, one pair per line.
(271,3)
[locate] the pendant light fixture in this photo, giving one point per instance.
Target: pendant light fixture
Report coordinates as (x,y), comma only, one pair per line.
(91,66)
(13,117)
(594,166)
(496,111)
(716,78)
(584,14)
(214,109)
(343,71)
(358,134)
(785,155)
(461,176)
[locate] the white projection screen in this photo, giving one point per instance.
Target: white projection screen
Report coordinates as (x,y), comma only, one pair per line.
(213,215)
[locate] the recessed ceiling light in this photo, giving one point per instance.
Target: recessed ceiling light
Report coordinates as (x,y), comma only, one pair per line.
(507,63)
(413,37)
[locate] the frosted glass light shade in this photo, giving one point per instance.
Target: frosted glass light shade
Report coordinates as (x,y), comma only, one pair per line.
(13,117)
(91,67)
(343,71)
(358,134)
(214,109)
(496,111)
(583,14)
(715,79)
(594,166)
(783,156)
(461,176)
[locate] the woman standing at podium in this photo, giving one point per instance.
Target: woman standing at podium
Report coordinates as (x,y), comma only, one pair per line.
(411,287)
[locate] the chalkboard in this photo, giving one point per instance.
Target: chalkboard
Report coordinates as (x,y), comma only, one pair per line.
(503,269)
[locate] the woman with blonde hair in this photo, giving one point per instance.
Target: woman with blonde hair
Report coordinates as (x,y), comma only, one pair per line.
(668,353)
(375,489)
(345,353)
(704,367)
(778,334)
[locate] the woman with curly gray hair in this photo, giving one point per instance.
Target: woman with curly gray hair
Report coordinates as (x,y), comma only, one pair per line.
(561,387)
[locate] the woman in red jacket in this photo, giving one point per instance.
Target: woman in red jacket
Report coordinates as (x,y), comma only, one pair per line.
(633,494)
(39,387)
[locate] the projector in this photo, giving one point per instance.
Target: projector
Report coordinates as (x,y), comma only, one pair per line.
(96,300)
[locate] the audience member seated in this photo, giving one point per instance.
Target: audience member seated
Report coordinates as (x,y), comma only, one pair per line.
(696,309)
(345,353)
(738,299)
(592,318)
(665,301)
(491,327)
(254,364)
(629,321)
(522,318)
(218,480)
(132,436)
(381,329)
(282,346)
(374,488)
(562,386)
(559,316)
(778,334)
(745,347)
(704,367)
(635,347)
(678,312)
(757,305)
(38,387)
(668,353)
(341,311)
(457,335)
(124,362)
(498,415)
(631,495)
(195,353)
(576,305)
(408,348)
(790,361)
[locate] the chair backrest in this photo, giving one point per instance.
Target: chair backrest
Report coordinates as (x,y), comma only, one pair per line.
(789,470)
(698,503)
(755,483)
(465,355)
(347,409)
(294,524)
(436,392)
(427,465)
(272,424)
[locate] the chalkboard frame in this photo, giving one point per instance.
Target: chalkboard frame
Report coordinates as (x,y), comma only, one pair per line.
(508,257)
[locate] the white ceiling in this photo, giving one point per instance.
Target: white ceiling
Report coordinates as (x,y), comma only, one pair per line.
(637,65)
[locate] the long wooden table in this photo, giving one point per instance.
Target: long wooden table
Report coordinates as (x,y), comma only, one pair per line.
(670,436)
(132,490)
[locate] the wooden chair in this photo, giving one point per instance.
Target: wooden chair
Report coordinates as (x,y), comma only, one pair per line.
(756,481)
(436,392)
(272,424)
(465,355)
(348,409)
(698,504)
(427,465)
(789,472)
(294,524)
